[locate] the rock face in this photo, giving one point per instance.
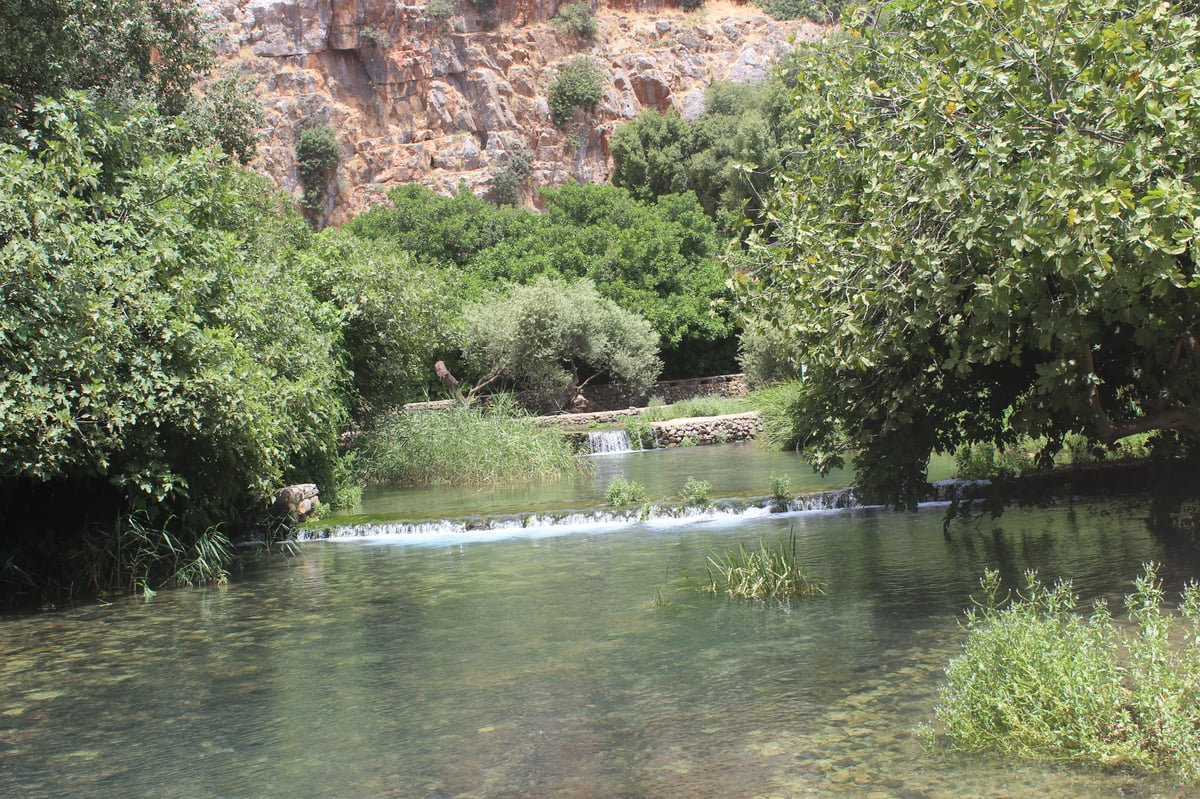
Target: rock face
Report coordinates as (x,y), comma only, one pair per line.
(441,92)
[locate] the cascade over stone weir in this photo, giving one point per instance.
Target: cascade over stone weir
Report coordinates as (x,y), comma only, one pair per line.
(608,442)
(729,509)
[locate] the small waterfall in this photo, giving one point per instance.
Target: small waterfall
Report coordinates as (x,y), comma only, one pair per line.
(606,442)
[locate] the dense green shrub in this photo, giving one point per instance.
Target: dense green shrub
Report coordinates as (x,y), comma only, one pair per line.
(464,445)
(160,352)
(575,19)
(697,493)
(391,313)
(439,9)
(802,9)
(508,182)
(553,337)
(317,157)
(1038,679)
(622,493)
(579,84)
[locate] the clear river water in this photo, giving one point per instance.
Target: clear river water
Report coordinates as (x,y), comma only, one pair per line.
(532,663)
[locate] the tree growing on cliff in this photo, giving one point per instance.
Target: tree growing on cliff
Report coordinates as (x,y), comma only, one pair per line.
(579,84)
(554,337)
(989,231)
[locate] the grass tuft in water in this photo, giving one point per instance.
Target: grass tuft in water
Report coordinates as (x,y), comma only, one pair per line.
(1038,679)
(765,573)
(465,445)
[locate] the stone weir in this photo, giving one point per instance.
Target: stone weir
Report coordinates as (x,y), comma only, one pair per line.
(445,92)
(654,512)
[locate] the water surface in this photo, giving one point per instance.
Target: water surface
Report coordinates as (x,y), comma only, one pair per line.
(534,666)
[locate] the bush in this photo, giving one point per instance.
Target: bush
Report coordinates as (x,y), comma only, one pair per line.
(801,9)
(317,156)
(641,433)
(690,5)
(622,494)
(578,85)
(464,445)
(439,9)
(575,19)
(1037,679)
(697,493)
(374,37)
(781,488)
(509,180)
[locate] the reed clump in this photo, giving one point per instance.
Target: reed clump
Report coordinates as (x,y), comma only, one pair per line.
(1039,679)
(464,445)
(764,573)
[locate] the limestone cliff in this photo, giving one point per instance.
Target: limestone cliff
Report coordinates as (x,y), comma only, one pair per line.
(440,92)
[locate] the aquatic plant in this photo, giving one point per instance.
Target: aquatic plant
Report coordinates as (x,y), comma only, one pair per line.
(622,493)
(697,493)
(641,433)
(781,488)
(763,573)
(138,557)
(1039,679)
(465,445)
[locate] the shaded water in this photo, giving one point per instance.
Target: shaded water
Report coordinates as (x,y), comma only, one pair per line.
(534,667)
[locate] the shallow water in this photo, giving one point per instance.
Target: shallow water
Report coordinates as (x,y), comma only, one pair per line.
(735,470)
(534,666)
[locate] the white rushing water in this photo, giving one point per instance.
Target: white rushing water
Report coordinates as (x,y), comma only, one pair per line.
(608,442)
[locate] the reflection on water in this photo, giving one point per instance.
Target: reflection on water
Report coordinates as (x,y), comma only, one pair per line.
(534,667)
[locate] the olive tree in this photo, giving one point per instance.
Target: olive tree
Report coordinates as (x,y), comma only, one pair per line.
(987,229)
(554,337)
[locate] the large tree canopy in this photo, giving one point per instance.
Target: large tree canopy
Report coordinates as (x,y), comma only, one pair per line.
(988,230)
(160,352)
(656,258)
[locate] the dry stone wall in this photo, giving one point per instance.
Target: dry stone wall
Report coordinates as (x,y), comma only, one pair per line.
(708,429)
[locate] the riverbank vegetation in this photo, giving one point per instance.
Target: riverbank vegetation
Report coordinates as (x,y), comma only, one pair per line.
(465,445)
(988,233)
(1039,679)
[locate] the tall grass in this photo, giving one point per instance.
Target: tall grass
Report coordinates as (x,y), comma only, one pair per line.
(765,573)
(656,411)
(137,557)
(464,445)
(1039,679)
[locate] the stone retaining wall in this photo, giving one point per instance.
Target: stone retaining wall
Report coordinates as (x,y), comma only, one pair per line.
(708,429)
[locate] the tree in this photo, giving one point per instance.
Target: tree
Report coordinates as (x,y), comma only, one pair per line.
(987,229)
(160,354)
(656,259)
(125,53)
(132,49)
(393,316)
(725,156)
(554,337)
